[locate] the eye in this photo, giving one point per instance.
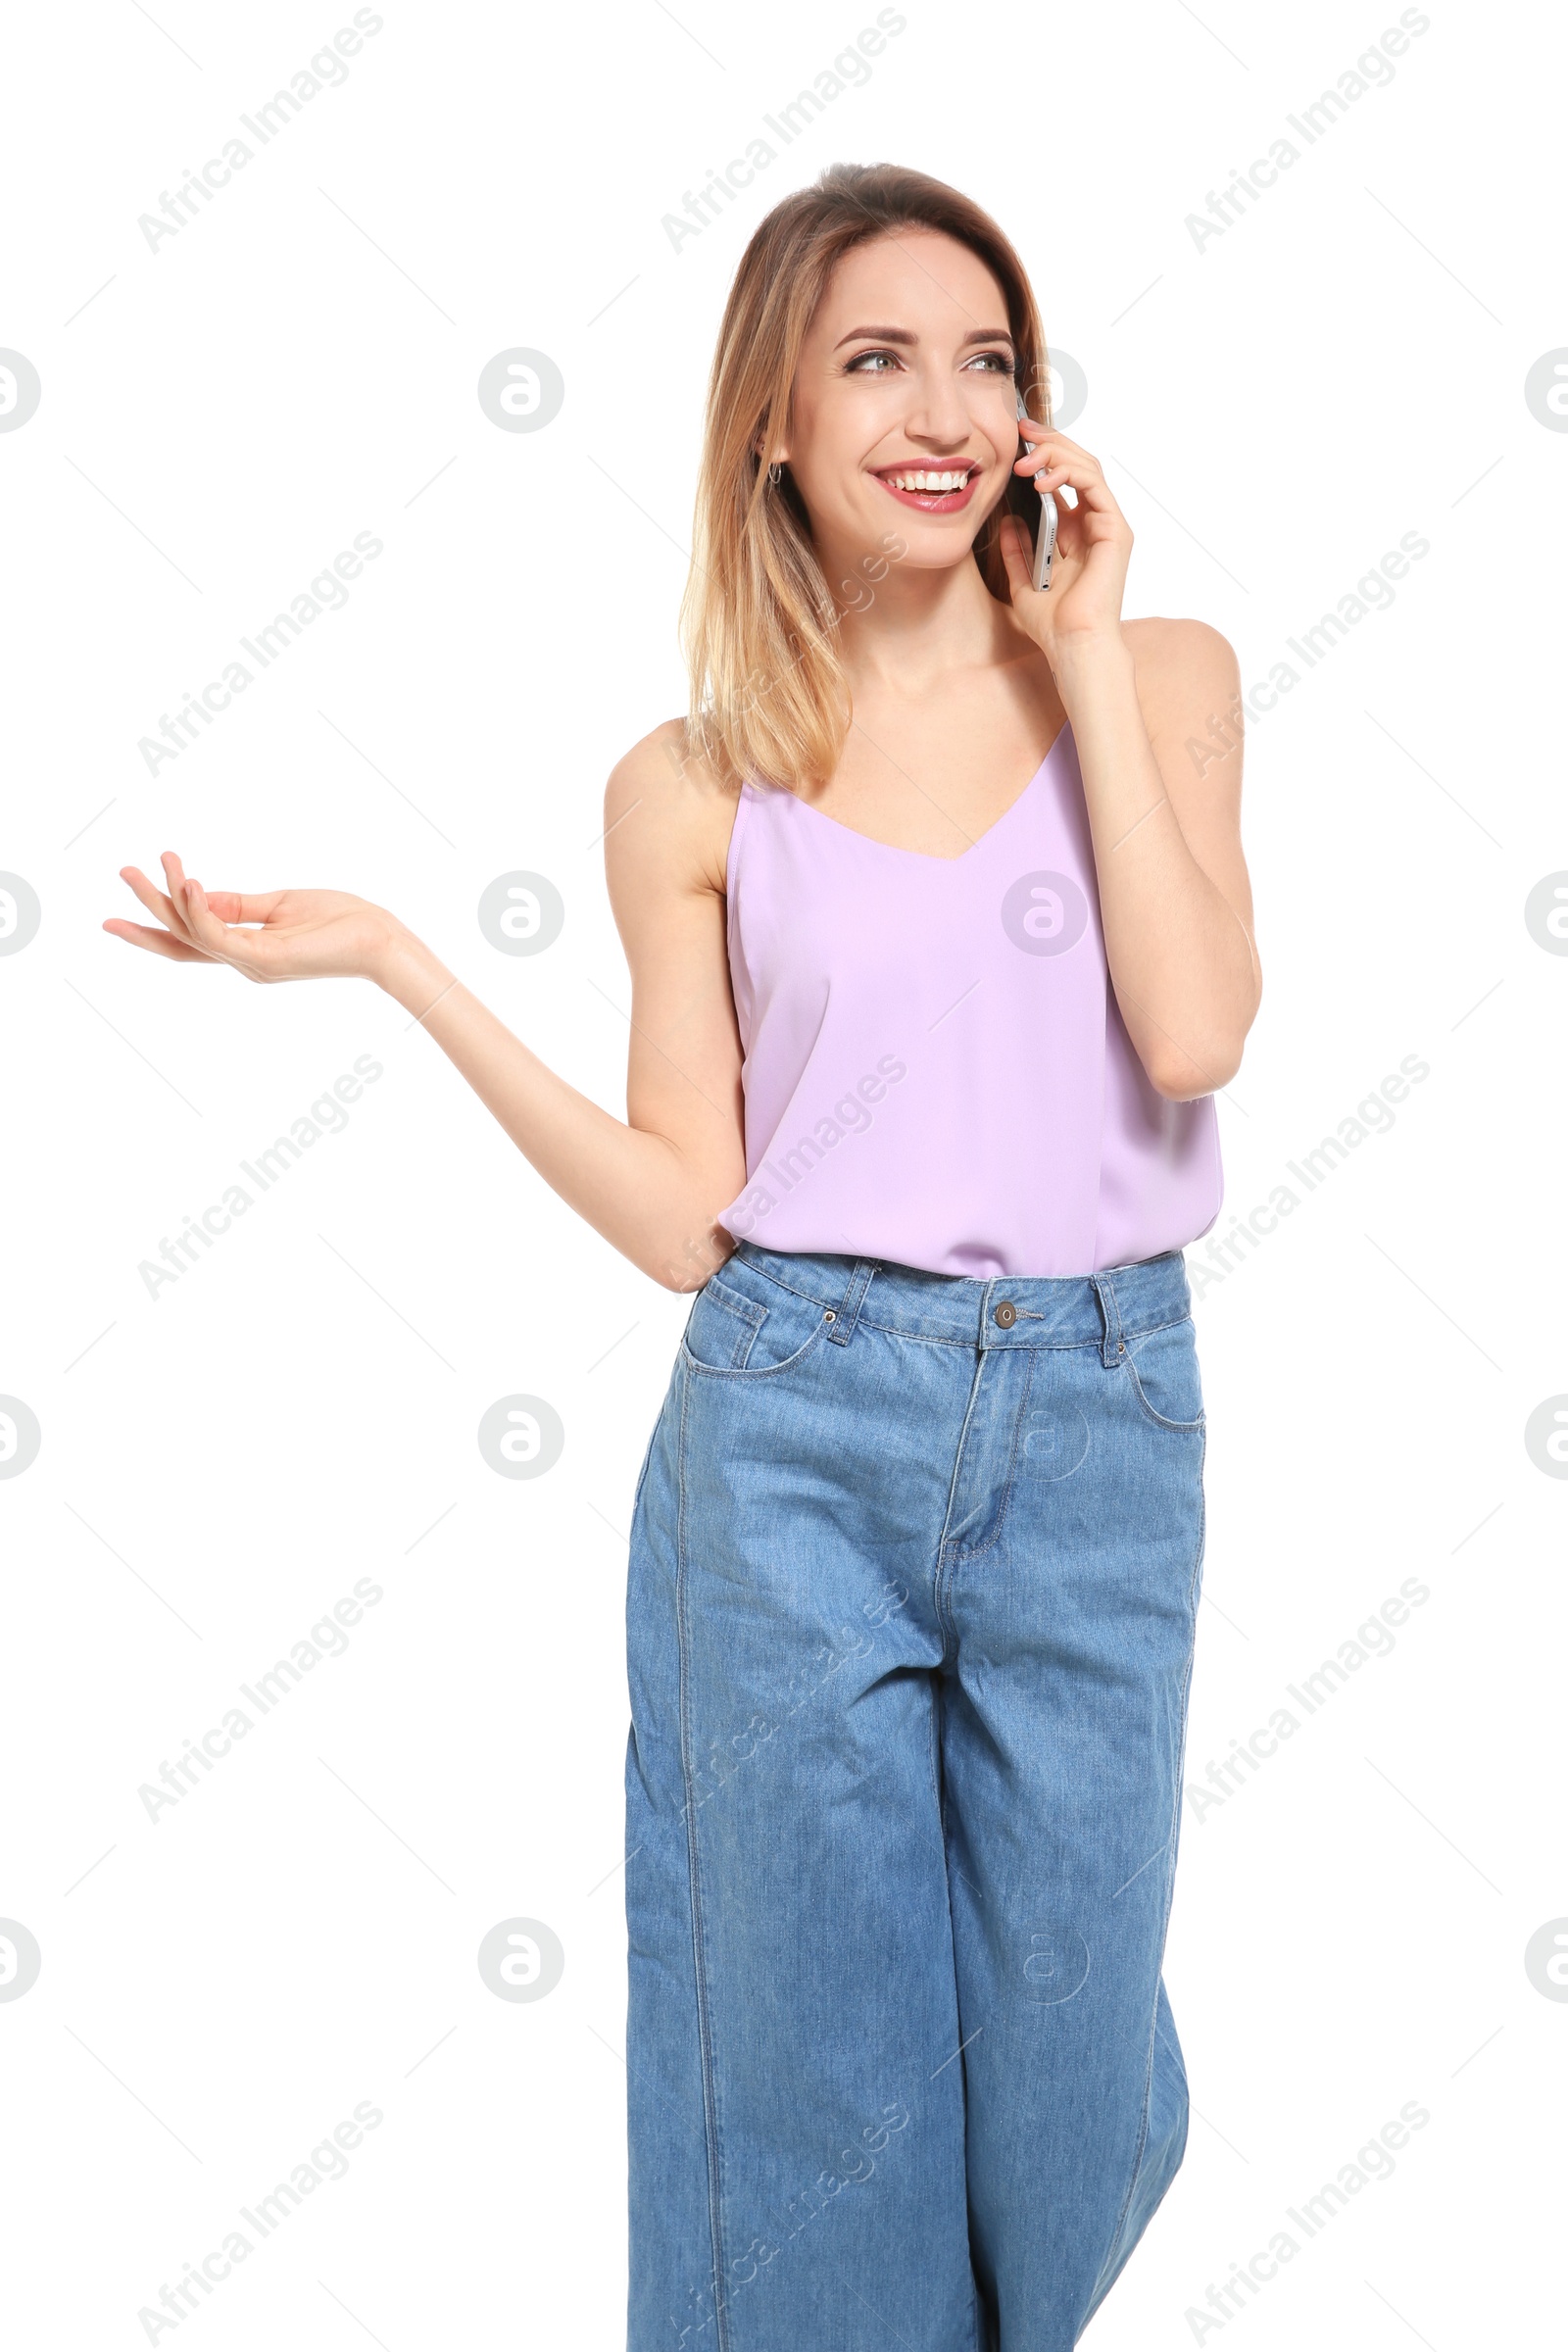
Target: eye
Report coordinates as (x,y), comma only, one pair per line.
(993,363)
(862,364)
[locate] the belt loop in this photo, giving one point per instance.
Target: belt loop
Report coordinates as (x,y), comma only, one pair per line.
(848,1313)
(1112,1346)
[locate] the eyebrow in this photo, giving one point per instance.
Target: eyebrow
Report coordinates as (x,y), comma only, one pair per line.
(902,334)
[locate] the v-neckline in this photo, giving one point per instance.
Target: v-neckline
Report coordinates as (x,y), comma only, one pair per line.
(929,856)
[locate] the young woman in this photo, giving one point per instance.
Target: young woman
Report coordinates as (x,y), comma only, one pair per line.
(939,943)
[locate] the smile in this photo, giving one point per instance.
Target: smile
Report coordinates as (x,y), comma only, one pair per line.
(934,489)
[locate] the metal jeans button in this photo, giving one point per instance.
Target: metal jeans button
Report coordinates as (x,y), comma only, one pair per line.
(1006,1314)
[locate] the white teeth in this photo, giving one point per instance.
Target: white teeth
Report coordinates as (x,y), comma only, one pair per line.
(927,480)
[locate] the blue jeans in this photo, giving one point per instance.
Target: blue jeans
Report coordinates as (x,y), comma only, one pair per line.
(914,1567)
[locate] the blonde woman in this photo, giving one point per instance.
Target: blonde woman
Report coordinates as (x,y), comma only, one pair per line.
(940,944)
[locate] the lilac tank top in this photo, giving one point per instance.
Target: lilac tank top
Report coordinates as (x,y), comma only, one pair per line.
(936,1068)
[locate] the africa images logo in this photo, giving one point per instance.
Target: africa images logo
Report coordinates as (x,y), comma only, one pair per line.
(1044,913)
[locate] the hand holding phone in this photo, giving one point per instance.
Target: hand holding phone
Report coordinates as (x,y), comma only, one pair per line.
(1021,497)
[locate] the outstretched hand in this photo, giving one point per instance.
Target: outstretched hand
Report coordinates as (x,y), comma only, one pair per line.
(279,935)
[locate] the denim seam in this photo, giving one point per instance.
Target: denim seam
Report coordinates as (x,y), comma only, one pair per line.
(934,1689)
(1182,1429)
(744,1371)
(1143,2127)
(694,1878)
(1192,1612)
(778,1282)
(718,1292)
(1006,1503)
(1172,1840)
(1174,2049)
(742,1310)
(1146,1331)
(941,1583)
(978,2339)
(641,1475)
(929,1338)
(1161,1421)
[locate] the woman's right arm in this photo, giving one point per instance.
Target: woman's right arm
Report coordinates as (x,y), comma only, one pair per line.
(651,1183)
(648,1184)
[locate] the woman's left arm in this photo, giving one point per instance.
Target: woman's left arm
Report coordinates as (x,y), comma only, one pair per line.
(1176,908)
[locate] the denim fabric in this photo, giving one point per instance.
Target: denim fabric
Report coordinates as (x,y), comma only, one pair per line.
(914,1567)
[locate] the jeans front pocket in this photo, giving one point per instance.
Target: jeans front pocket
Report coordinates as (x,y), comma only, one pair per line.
(749,1327)
(1162,1367)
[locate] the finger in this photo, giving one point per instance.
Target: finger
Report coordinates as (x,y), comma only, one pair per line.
(1084,476)
(1039,434)
(245,906)
(1037,452)
(160,943)
(1058,473)
(238,948)
(153,899)
(1069,500)
(175,874)
(1059,440)
(1084,491)
(1039,437)
(1080,465)
(1036,461)
(1053,473)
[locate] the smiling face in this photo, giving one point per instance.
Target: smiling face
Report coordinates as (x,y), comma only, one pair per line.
(904,415)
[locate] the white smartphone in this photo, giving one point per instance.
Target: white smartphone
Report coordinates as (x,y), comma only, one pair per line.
(1021,497)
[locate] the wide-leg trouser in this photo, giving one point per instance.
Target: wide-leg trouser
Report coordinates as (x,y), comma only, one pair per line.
(915,1569)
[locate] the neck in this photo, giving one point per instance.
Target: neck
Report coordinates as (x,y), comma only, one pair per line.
(922,626)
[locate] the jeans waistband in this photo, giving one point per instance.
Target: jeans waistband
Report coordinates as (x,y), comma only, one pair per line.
(1104,1310)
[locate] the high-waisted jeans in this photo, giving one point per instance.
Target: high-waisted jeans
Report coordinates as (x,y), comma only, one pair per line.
(914,1566)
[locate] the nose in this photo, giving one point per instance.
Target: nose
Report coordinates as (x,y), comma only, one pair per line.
(937,415)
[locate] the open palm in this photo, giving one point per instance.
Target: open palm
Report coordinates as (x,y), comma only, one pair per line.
(279,935)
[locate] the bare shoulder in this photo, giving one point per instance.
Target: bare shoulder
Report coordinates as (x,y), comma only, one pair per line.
(1186,672)
(667,817)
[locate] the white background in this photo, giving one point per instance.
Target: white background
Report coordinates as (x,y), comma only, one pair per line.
(219,1465)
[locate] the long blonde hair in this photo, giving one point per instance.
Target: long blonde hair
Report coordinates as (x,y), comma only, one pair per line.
(760,622)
